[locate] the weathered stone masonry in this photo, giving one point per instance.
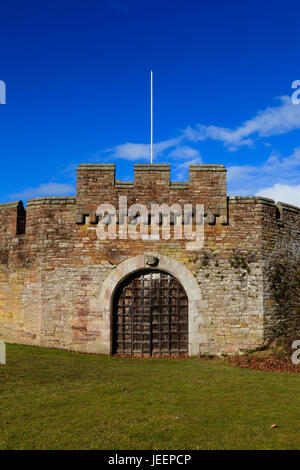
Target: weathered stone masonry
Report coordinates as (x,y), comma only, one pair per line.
(57,279)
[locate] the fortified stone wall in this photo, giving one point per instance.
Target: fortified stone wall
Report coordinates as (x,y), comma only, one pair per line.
(52,271)
(281,248)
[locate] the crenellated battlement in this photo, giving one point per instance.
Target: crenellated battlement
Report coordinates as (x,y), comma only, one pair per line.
(96,184)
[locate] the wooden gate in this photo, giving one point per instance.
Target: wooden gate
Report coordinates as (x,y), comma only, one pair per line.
(150,316)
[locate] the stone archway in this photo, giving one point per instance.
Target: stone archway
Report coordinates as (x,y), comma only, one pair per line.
(176,269)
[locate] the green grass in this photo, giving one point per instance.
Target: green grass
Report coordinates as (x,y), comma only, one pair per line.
(52,399)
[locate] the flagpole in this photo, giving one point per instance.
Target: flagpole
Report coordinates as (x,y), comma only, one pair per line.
(151,144)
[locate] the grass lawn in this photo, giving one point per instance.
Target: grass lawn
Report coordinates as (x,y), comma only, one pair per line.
(52,399)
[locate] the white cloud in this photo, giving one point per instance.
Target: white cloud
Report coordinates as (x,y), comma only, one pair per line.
(274,120)
(184,151)
(236,173)
(277,178)
(128,151)
(133,152)
(283,193)
(47,189)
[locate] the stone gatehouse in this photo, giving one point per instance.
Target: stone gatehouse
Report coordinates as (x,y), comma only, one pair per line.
(63,287)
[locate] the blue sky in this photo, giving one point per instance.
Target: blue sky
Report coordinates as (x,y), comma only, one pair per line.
(77,77)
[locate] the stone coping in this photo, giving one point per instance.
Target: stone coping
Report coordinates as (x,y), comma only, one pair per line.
(179,185)
(250,200)
(262,200)
(51,200)
(149,167)
(96,166)
(152,167)
(128,184)
(287,207)
(124,185)
(11,205)
(207,167)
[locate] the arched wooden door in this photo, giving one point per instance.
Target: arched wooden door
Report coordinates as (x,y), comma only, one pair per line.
(150,316)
